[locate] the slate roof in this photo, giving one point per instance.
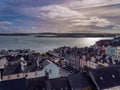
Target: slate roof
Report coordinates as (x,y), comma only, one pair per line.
(30,68)
(13,58)
(26,57)
(45,63)
(36,84)
(12,69)
(106,77)
(17,84)
(58,84)
(79,81)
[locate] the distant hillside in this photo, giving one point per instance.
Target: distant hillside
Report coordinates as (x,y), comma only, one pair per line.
(61,34)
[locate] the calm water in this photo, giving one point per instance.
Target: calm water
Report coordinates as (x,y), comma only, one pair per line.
(43,44)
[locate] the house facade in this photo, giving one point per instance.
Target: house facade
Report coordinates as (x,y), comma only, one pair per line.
(110,51)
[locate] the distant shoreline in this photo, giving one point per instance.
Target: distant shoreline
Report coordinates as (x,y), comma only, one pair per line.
(65,35)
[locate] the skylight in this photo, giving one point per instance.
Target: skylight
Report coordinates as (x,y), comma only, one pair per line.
(101,78)
(113,76)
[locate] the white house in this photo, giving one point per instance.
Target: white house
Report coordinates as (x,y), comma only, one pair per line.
(3,62)
(50,69)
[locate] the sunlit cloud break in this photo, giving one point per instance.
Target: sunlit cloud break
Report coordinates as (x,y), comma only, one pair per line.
(67,15)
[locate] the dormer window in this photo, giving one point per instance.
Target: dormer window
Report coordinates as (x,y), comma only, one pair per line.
(17,75)
(101,78)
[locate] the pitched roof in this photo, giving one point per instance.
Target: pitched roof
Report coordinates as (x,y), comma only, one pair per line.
(106,77)
(58,84)
(12,69)
(44,63)
(30,68)
(13,58)
(79,81)
(36,84)
(17,84)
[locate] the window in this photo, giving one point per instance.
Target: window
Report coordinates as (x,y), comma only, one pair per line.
(50,71)
(17,75)
(35,73)
(26,75)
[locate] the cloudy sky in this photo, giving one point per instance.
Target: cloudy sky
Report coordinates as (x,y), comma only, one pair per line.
(23,16)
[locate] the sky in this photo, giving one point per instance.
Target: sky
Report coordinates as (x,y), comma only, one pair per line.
(65,16)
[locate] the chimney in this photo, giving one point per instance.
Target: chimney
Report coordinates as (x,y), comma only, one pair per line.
(38,63)
(46,74)
(23,64)
(38,60)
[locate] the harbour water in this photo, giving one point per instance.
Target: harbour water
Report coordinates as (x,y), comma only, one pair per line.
(43,44)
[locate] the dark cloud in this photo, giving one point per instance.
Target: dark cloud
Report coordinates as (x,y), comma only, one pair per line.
(32,3)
